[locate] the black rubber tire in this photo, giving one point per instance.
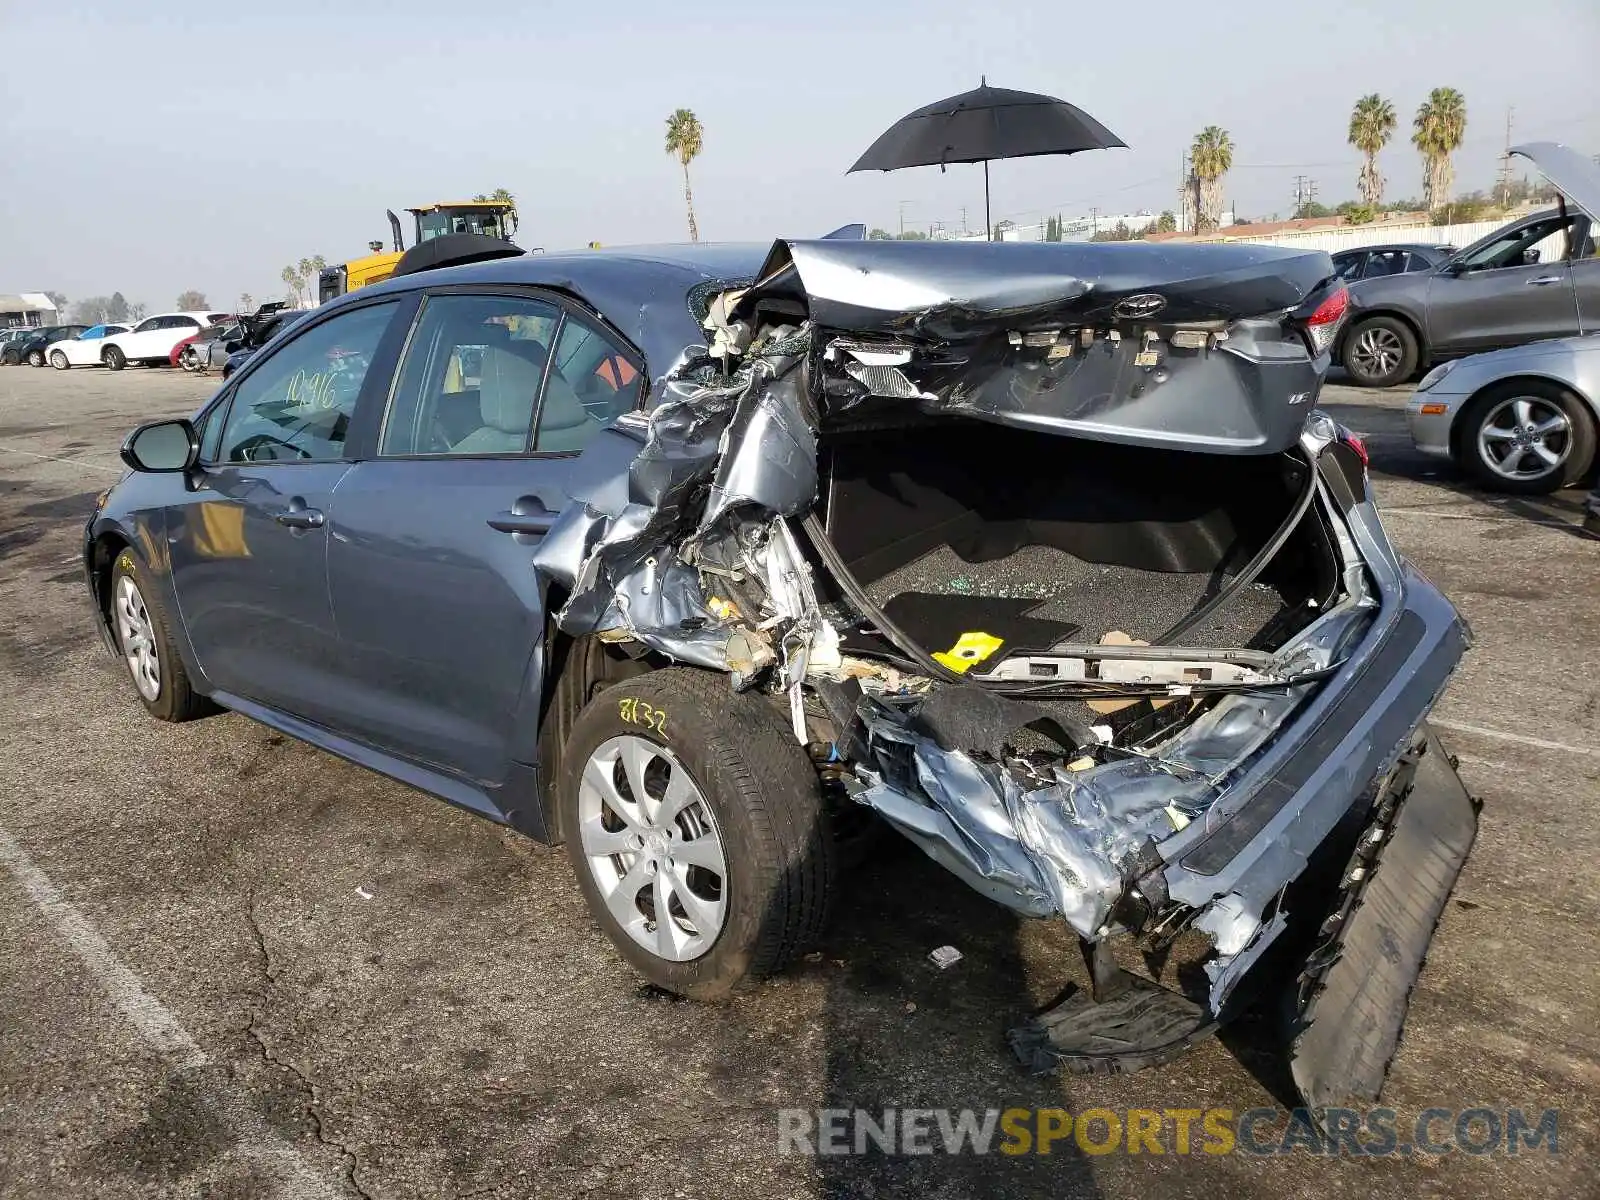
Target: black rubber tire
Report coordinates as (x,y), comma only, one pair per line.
(58,360)
(36,358)
(114,358)
(1580,456)
(764,794)
(1409,353)
(176,700)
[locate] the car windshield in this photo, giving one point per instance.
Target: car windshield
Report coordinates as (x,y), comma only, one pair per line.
(436,224)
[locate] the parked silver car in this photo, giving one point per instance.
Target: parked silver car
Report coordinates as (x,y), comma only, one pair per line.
(1534,278)
(1523,419)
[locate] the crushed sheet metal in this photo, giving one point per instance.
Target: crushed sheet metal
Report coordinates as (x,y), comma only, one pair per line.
(620,551)
(1055,849)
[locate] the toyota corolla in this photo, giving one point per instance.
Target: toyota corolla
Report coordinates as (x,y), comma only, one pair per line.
(1041,556)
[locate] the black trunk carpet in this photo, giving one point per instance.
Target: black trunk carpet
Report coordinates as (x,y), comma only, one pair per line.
(1065,591)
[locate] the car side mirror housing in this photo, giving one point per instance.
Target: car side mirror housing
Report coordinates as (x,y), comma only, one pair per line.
(162,447)
(1457,267)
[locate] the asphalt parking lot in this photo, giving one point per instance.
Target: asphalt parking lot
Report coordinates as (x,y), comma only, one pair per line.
(236,967)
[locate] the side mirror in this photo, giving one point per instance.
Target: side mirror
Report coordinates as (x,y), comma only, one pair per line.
(1456,267)
(162,446)
(1530,258)
(231,346)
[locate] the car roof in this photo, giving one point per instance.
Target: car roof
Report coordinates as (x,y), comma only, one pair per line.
(1435,246)
(645,292)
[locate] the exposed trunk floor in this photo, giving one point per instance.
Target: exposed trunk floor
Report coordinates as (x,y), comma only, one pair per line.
(1100,598)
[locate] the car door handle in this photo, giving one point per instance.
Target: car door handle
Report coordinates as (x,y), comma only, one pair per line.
(298,516)
(1542,280)
(527,515)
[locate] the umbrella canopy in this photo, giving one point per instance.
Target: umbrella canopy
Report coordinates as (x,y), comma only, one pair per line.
(983,124)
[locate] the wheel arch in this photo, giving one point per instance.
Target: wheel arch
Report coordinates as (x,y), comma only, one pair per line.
(577,668)
(102,553)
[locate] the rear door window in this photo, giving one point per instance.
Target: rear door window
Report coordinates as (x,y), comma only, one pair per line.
(470,381)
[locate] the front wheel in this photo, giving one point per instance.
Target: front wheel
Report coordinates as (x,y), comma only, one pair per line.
(696,827)
(114,358)
(1380,352)
(1526,436)
(58,360)
(147,647)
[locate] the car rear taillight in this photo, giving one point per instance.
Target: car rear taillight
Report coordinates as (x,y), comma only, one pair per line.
(1322,326)
(1355,443)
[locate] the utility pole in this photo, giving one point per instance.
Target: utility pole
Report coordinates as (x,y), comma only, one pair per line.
(1505,164)
(1094,218)
(963,220)
(903,204)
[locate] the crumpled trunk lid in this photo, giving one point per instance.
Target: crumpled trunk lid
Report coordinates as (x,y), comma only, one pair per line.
(1148,344)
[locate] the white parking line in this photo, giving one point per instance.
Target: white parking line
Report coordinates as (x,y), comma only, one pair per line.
(258,1142)
(152,1019)
(1519,738)
(77,462)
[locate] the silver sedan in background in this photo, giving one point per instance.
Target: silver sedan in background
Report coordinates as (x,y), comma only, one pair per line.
(1525,418)
(1520,420)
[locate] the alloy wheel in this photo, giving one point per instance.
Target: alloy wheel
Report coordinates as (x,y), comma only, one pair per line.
(1376,352)
(136,633)
(652,845)
(1524,438)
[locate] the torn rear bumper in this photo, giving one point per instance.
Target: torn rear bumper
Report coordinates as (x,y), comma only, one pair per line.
(1357,984)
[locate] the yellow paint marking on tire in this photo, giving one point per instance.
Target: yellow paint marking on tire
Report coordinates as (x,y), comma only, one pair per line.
(641,712)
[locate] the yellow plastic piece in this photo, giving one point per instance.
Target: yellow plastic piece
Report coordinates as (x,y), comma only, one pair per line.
(972,647)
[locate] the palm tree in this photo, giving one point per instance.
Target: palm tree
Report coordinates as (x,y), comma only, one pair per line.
(1371,127)
(292,277)
(1210,157)
(1437,130)
(247,302)
(685,139)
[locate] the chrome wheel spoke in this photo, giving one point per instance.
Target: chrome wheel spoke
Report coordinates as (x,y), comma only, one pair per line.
(600,842)
(705,915)
(1522,412)
(1496,433)
(669,938)
(680,793)
(703,852)
(1544,454)
(623,899)
(1556,424)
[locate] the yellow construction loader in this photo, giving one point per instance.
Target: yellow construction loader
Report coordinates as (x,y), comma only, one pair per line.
(487,218)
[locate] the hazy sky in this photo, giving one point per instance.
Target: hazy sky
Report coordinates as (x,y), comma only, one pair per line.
(153,147)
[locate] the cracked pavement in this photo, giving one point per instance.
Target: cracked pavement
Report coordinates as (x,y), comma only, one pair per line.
(397,999)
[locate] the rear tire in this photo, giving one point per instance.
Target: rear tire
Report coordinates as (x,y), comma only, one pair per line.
(148,651)
(1517,405)
(749,802)
(36,358)
(114,358)
(1380,352)
(58,360)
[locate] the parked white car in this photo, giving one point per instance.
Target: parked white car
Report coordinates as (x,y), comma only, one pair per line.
(83,350)
(152,339)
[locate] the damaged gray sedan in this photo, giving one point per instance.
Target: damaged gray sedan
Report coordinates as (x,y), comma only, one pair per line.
(697,559)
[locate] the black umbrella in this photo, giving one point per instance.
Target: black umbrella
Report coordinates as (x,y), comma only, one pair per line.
(982,124)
